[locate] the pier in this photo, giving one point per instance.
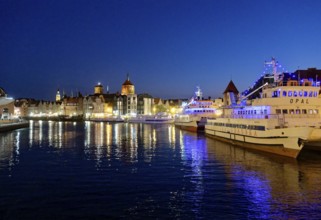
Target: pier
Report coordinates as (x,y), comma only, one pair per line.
(9,125)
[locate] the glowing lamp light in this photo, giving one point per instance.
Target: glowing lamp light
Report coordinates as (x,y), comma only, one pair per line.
(218,112)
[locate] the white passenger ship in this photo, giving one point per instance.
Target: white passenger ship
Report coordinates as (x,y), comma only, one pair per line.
(282,120)
(194,115)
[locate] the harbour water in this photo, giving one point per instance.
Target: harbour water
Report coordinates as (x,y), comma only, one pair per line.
(93,170)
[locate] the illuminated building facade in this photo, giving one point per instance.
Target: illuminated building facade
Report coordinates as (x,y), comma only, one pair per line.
(104,105)
(128,89)
(144,104)
(72,106)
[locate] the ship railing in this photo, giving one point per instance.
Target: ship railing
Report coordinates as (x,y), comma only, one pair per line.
(259,116)
(303,82)
(301,116)
(273,116)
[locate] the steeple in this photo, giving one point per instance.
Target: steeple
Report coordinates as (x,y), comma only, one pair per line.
(231,88)
(230,94)
(58,97)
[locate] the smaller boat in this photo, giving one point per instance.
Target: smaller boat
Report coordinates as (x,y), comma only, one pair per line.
(195,114)
(159,118)
(108,119)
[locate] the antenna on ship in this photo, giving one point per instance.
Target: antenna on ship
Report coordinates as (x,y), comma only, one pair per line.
(198,93)
(273,63)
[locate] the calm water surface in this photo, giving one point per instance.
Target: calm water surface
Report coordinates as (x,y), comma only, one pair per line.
(66,170)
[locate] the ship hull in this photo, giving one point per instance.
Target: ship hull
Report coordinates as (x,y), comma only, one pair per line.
(192,126)
(272,148)
(284,141)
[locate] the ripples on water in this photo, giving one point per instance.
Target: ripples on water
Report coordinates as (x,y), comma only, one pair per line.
(66,170)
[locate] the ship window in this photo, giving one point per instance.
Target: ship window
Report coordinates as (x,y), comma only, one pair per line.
(265,111)
(297,111)
(291,111)
(278,111)
(285,111)
(305,93)
(310,94)
(255,112)
(310,111)
(290,93)
(300,93)
(275,94)
(315,94)
(295,94)
(304,111)
(284,93)
(315,111)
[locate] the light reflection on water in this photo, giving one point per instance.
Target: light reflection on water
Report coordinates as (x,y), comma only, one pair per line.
(144,170)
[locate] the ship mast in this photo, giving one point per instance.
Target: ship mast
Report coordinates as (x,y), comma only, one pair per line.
(273,63)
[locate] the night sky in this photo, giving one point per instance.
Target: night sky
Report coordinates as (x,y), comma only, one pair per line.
(168,47)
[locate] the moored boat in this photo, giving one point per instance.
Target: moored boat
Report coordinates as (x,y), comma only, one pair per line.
(281,116)
(194,114)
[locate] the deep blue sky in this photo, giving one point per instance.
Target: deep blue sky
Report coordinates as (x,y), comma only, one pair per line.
(168,47)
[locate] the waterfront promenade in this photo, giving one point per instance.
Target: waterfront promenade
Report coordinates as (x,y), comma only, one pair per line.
(9,125)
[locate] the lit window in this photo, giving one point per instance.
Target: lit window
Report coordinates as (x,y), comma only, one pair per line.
(284,93)
(300,93)
(295,94)
(305,93)
(290,93)
(297,111)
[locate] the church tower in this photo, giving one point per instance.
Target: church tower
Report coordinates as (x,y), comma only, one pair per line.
(58,97)
(99,89)
(128,87)
(128,90)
